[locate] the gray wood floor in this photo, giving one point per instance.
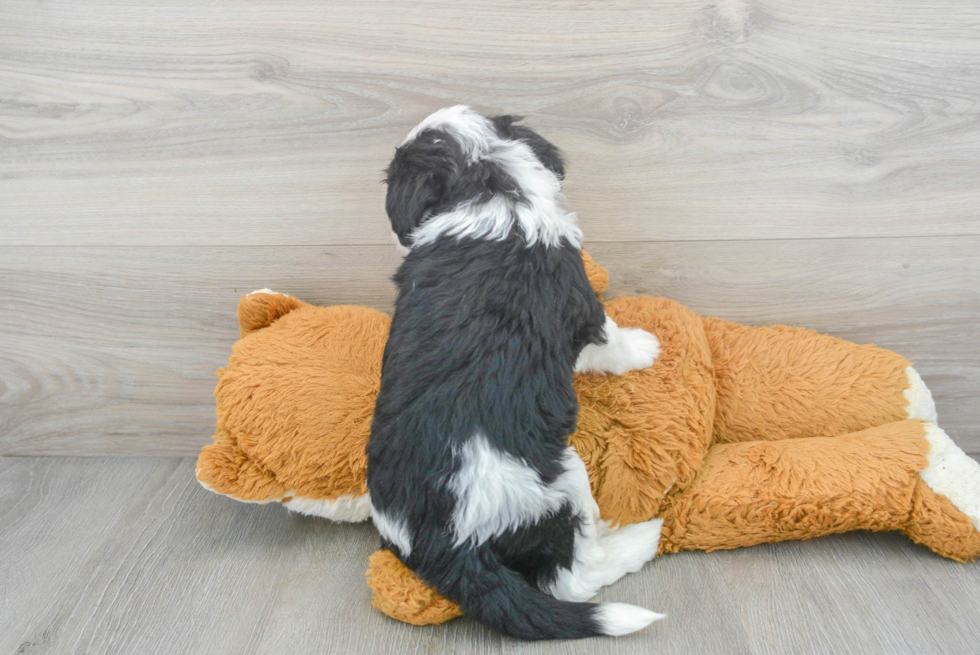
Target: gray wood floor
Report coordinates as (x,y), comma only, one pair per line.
(130,555)
(787,161)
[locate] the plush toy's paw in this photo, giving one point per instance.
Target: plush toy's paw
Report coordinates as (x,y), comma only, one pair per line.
(402,595)
(946,505)
(946,512)
(936,523)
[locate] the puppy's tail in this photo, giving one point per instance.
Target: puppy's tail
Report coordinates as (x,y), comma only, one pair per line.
(498,597)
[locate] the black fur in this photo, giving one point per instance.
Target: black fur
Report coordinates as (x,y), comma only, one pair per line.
(546,152)
(484,339)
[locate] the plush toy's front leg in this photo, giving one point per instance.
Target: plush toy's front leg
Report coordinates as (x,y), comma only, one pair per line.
(769,491)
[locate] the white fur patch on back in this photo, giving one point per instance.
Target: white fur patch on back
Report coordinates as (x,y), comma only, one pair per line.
(496,492)
(395,530)
(950,472)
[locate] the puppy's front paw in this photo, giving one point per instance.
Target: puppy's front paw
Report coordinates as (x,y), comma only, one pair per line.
(626,349)
(643,348)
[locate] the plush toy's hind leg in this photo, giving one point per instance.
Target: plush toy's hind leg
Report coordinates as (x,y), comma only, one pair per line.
(875,479)
(946,510)
(768,491)
(780,382)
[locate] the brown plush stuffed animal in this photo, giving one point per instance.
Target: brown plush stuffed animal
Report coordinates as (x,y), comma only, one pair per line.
(736,436)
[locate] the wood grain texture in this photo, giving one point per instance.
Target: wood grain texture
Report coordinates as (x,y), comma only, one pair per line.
(182,123)
(764,161)
(130,555)
(114,350)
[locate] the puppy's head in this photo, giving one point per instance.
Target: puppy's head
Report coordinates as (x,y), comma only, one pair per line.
(457,156)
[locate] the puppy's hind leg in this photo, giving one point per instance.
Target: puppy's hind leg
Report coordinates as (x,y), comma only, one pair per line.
(601,555)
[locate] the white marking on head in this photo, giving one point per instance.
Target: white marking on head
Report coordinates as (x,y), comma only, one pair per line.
(540,215)
(474,132)
(395,530)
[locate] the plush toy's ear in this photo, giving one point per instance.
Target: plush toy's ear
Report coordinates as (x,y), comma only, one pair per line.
(598,276)
(402,595)
(261,308)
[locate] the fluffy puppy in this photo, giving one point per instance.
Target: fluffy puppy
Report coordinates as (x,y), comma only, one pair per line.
(472,481)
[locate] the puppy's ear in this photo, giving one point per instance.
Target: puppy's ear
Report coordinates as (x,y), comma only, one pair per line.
(419,181)
(546,152)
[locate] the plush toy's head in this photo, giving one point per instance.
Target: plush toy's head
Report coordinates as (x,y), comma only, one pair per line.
(295,405)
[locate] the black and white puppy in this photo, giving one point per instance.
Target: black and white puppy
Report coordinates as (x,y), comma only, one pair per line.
(471,478)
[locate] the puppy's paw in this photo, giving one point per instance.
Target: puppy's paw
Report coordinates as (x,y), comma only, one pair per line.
(644,347)
(631,546)
(626,349)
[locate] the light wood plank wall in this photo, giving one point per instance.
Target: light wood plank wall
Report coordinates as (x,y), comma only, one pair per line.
(816,164)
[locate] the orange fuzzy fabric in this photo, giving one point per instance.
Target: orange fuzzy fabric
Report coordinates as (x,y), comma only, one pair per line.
(647,431)
(736,436)
(401,594)
(295,403)
(782,382)
(760,491)
(934,522)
